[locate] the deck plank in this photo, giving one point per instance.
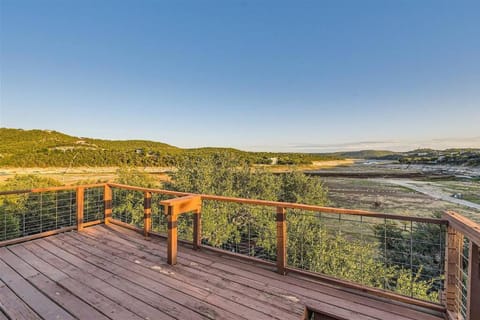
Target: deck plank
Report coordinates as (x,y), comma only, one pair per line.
(176,293)
(103,304)
(143,293)
(326,302)
(13,306)
(68,301)
(121,265)
(35,299)
(112,272)
(281,308)
(405,311)
(134,305)
(2,315)
(382,308)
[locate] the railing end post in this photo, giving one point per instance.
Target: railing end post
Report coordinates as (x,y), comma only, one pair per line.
(107,201)
(281,241)
(172,235)
(80,206)
(147,213)
(197,229)
(473,286)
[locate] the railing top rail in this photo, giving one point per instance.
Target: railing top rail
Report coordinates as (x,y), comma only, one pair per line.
(49,189)
(466,226)
(289,205)
(306,207)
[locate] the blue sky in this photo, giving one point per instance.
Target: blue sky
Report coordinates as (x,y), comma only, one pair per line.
(257,75)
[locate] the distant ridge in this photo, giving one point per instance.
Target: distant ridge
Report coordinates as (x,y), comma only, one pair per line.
(367,154)
(48,148)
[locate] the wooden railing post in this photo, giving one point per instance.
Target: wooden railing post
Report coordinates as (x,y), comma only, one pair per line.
(147,212)
(107,201)
(172,235)
(175,207)
(458,301)
(454,249)
(473,286)
(281,241)
(80,204)
(197,229)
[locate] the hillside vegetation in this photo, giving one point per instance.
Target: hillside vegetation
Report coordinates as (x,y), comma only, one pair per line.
(459,156)
(368,154)
(467,157)
(45,148)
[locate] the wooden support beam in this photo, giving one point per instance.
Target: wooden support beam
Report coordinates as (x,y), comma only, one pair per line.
(197,229)
(281,241)
(107,201)
(147,212)
(80,204)
(172,236)
(473,286)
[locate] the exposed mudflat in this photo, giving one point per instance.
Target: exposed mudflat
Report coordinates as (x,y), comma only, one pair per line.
(407,190)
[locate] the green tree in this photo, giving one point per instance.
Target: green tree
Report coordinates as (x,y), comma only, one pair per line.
(27,213)
(223,223)
(128,204)
(418,247)
(312,244)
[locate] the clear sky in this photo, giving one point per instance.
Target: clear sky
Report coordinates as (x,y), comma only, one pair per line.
(257,75)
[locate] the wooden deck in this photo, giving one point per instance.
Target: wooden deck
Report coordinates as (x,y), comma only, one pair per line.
(109,272)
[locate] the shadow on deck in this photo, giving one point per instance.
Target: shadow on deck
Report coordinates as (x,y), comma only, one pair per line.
(109,272)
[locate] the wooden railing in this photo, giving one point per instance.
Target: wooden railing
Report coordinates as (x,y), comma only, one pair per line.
(40,212)
(463,268)
(175,205)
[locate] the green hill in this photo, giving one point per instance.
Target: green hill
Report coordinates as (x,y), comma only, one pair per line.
(46,148)
(41,148)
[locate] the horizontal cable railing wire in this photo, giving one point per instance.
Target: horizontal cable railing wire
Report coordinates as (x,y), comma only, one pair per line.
(461,279)
(94,205)
(128,206)
(185,227)
(33,213)
(404,257)
(158,218)
(244,229)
